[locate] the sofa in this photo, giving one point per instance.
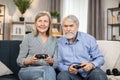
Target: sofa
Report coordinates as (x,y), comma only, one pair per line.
(111,52)
(9,50)
(8,53)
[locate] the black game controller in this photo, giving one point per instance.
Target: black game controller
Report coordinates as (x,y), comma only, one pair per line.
(41,56)
(78,66)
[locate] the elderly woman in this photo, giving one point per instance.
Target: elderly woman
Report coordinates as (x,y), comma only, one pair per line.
(38,51)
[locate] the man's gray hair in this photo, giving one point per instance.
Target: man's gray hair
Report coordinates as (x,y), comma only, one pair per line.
(71,18)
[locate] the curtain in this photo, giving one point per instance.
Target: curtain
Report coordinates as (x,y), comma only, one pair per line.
(79,8)
(96,19)
(55,6)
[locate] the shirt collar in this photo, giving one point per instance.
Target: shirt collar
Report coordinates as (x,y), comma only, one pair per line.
(77,39)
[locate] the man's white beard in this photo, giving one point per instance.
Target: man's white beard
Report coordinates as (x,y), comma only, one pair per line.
(69,35)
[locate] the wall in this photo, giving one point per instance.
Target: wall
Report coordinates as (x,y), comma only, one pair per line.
(12,12)
(109,4)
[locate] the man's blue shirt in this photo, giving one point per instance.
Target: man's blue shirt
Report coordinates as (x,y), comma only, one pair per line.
(84,49)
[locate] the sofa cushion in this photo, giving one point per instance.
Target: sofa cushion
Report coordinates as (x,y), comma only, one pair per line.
(4,52)
(14,51)
(111,52)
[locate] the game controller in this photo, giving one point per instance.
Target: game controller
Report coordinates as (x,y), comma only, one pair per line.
(41,56)
(78,66)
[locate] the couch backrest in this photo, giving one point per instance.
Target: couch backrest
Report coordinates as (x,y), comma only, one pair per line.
(111,52)
(9,51)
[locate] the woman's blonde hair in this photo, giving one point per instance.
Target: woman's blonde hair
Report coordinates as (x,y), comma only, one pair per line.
(44,13)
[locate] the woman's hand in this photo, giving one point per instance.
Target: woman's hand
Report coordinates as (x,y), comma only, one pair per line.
(31,60)
(49,60)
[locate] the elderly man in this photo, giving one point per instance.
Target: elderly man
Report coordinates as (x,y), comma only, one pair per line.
(79,57)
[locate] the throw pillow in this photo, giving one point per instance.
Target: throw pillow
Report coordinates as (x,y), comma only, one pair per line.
(4,70)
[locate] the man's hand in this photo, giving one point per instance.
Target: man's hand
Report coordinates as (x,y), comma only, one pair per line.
(87,66)
(72,70)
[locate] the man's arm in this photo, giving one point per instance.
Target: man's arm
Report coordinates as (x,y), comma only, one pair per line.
(97,57)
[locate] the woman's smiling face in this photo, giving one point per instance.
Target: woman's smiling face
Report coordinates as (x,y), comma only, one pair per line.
(42,24)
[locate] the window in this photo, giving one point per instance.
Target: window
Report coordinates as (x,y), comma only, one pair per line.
(78,8)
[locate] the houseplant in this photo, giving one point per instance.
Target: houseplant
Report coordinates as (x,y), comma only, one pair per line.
(22,5)
(55,15)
